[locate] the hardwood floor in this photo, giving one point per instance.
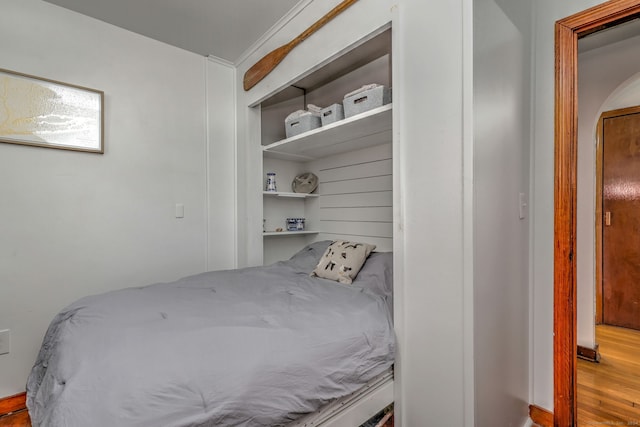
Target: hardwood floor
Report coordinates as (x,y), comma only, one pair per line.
(609,391)
(16,419)
(13,411)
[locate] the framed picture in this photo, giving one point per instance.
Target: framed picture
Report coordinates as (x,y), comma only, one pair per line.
(47,113)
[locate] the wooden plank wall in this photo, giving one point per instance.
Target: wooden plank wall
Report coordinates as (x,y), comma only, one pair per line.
(356,196)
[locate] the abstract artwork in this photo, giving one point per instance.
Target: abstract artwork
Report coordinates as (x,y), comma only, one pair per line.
(46,113)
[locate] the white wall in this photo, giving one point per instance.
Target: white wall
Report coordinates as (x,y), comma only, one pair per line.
(546,13)
(434,74)
(72,223)
(433,180)
(501,173)
(601,73)
(221,191)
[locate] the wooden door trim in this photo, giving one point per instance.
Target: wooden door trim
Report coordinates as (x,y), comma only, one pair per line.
(567,32)
(599,317)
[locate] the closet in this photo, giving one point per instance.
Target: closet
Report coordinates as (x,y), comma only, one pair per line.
(352,157)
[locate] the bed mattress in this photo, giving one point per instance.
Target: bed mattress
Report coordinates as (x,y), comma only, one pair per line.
(250,347)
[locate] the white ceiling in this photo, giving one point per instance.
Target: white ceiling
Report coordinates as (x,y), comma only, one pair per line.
(222,28)
(227,28)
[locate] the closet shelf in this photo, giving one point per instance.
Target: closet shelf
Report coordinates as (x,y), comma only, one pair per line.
(287,233)
(292,195)
(364,130)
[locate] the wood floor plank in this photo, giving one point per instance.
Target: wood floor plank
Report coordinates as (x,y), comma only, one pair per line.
(609,391)
(16,419)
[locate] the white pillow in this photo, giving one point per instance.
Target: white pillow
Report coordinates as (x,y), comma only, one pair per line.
(342,261)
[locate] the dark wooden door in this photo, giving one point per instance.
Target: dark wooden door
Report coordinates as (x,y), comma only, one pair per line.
(621,222)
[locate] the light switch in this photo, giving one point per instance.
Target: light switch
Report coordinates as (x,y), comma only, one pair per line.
(5,341)
(522,205)
(179,210)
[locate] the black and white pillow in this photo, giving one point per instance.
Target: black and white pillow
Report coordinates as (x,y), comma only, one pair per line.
(342,261)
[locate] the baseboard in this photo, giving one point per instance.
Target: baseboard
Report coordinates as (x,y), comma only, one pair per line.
(590,354)
(14,403)
(540,416)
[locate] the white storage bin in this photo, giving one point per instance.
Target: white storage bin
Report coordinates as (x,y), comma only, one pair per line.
(331,114)
(304,123)
(366,100)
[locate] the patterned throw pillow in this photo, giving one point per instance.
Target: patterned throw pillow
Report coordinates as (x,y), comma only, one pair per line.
(342,261)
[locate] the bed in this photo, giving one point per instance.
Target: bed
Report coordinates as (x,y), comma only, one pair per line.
(259,346)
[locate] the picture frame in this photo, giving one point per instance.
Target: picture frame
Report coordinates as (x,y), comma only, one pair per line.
(47,113)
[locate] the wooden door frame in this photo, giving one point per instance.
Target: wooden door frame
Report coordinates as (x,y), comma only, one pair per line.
(598,318)
(567,32)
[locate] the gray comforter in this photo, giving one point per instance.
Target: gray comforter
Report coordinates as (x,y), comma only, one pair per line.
(250,347)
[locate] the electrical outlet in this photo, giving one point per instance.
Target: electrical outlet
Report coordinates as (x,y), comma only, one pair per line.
(5,341)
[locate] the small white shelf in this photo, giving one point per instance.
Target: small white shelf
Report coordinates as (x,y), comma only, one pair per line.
(292,195)
(287,233)
(363,130)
